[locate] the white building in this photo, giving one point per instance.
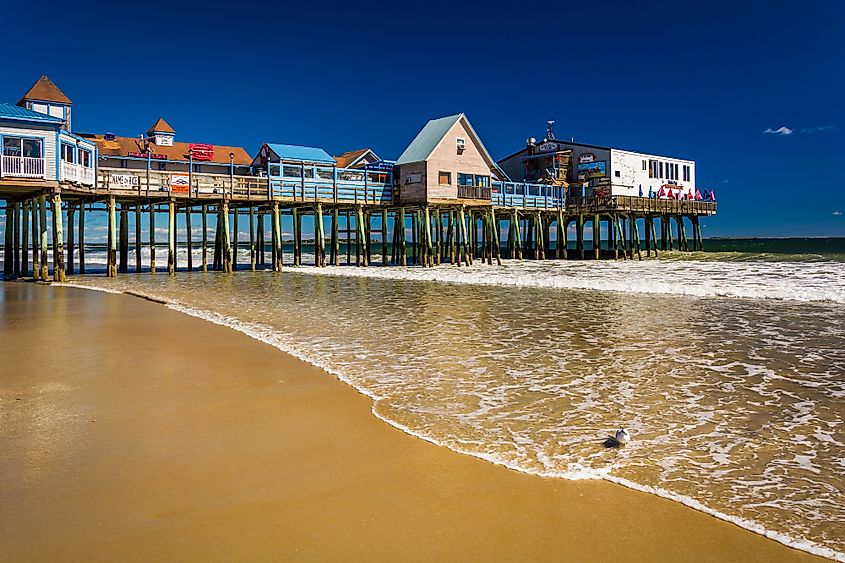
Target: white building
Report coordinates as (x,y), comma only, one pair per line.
(625,172)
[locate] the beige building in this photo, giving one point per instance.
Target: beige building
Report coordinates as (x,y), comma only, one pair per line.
(446,162)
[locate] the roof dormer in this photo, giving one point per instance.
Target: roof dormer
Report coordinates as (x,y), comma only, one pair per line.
(45,97)
(161,133)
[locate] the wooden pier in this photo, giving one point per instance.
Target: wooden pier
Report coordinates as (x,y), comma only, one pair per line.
(510,220)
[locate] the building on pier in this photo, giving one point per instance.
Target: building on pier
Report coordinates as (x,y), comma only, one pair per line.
(587,168)
(162,163)
(38,149)
(361,158)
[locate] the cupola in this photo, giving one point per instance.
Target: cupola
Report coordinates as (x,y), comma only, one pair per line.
(161,133)
(45,97)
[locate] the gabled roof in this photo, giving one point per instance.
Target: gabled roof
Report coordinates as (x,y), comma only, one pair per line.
(45,91)
(351,158)
(17,113)
(161,126)
(296,152)
(432,134)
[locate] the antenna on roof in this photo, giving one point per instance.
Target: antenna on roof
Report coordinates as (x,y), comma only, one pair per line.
(550,129)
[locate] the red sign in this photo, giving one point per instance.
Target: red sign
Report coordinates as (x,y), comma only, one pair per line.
(201,152)
(144,155)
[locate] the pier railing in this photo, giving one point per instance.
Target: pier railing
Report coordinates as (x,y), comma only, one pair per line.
(623,203)
(330,184)
(71,172)
(521,194)
(21,167)
(127,181)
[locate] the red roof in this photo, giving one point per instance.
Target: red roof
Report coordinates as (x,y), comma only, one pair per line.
(160,126)
(45,91)
(122,146)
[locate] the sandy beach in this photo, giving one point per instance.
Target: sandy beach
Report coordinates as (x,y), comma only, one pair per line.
(132,432)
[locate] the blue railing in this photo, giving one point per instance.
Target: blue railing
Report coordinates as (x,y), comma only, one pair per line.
(327,183)
(521,194)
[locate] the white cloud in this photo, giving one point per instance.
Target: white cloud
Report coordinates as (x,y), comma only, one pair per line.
(818,129)
(837,213)
(779,131)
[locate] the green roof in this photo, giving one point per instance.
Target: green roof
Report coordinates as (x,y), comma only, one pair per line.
(427,140)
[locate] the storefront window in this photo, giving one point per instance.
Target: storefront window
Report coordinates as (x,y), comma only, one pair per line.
(466,179)
(273,170)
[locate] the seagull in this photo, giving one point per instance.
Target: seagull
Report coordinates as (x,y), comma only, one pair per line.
(622,436)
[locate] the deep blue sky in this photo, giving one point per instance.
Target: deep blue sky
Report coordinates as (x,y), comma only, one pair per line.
(702,81)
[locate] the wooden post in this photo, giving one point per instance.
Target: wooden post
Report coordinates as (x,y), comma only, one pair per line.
(81,238)
(450,235)
(235,231)
(647,224)
(252,238)
(58,242)
(334,253)
(635,237)
(171,237)
(362,234)
(517,234)
(137,238)
(70,247)
(654,236)
(277,235)
(36,237)
(403,252)
(204,241)
(464,251)
(297,238)
(111,259)
(124,240)
(597,236)
(669,232)
(189,237)
(42,211)
(260,238)
(217,264)
(227,245)
(152,238)
(497,249)
(319,237)
(384,237)
(579,234)
(8,240)
(429,247)
(25,238)
(16,239)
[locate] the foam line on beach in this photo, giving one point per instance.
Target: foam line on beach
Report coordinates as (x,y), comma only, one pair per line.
(269,336)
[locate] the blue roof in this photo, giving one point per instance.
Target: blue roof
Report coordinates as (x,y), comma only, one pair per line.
(295,152)
(8,111)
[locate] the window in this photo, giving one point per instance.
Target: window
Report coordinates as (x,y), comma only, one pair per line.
(85,158)
(644,166)
(57,111)
(482,181)
(461,144)
(617,174)
(274,170)
(652,169)
(686,173)
(676,170)
(68,153)
(19,146)
(660,169)
(466,179)
(444,178)
(291,172)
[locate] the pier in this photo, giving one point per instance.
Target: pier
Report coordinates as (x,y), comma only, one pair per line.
(444,201)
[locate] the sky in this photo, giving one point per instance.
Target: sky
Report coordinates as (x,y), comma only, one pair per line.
(754,92)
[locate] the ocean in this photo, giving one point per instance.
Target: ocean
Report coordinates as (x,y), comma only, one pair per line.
(726,366)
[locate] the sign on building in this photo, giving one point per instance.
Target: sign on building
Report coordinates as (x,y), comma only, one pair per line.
(586,157)
(180,183)
(124,181)
(550,146)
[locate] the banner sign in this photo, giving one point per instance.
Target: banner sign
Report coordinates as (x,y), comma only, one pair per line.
(381,166)
(124,181)
(589,170)
(180,183)
(549,146)
(153,155)
(201,151)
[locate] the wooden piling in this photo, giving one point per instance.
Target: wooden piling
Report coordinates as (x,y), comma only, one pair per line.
(334,253)
(189,238)
(319,238)
(58,240)
(260,238)
(81,238)
(227,244)
(8,240)
(25,238)
(362,235)
(36,238)
(16,239)
(111,257)
(70,248)
(277,235)
(42,211)
(171,237)
(123,246)
(403,251)
(252,257)
(204,241)
(137,237)
(579,234)
(384,261)
(597,236)
(152,238)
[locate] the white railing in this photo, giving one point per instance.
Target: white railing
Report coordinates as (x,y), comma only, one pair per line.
(70,172)
(77,173)
(22,167)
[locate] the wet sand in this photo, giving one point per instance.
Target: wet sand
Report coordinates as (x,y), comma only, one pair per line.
(129,431)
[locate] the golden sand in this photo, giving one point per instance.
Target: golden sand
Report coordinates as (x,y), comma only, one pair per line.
(129,431)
